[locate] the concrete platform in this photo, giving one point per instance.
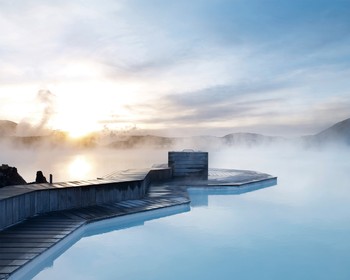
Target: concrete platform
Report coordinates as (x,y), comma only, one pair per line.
(226,177)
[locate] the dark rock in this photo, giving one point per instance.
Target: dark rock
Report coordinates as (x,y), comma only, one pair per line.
(40,178)
(9,176)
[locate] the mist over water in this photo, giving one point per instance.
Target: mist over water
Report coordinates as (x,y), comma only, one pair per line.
(70,164)
(81,164)
(100,153)
(297,229)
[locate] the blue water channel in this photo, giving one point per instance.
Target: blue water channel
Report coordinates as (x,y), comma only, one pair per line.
(297,229)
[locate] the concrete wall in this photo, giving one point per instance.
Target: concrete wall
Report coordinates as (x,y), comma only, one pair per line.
(19,207)
(189,164)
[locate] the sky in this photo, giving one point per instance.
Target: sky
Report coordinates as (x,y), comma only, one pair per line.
(176,68)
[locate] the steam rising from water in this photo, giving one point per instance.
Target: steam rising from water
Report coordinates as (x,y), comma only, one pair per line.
(46,101)
(78,164)
(46,98)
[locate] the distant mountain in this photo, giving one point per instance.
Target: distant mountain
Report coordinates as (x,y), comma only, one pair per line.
(339,132)
(138,141)
(199,142)
(250,139)
(7,128)
(336,134)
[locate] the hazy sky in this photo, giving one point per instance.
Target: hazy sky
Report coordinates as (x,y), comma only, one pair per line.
(176,67)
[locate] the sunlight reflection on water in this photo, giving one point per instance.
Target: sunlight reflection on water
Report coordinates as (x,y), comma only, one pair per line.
(79,167)
(69,164)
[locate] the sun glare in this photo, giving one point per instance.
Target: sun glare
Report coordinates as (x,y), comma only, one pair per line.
(79,167)
(76,132)
(82,106)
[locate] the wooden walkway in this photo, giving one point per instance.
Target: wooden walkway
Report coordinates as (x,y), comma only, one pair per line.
(20,202)
(28,240)
(24,242)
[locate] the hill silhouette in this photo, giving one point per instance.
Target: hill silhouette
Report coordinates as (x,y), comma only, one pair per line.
(338,133)
(7,128)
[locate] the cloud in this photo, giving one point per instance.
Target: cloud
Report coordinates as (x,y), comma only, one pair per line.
(209,62)
(137,37)
(217,104)
(222,94)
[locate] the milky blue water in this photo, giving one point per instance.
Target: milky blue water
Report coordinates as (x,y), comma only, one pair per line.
(298,229)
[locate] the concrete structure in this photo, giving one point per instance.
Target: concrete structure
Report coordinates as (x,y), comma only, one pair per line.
(189,164)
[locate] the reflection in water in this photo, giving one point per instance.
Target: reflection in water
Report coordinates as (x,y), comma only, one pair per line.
(133,220)
(47,259)
(57,161)
(200,195)
(79,167)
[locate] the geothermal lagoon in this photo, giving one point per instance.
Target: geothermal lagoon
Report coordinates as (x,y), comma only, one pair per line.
(296,229)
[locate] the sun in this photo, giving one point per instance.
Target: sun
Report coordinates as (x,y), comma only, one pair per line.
(79,131)
(76,128)
(76,134)
(83,106)
(77,117)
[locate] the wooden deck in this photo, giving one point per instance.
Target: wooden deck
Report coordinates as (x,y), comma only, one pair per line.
(24,242)
(21,202)
(21,244)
